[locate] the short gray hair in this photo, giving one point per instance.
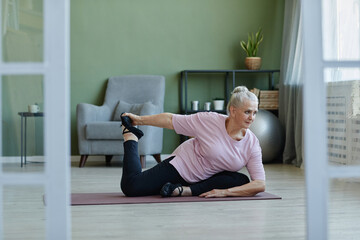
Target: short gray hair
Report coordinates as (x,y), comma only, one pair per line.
(238,96)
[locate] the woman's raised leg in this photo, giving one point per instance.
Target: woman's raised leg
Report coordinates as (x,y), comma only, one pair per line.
(134,181)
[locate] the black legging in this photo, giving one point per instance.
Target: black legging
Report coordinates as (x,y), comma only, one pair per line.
(134,182)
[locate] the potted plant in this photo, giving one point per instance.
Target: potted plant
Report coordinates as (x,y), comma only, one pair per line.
(252,62)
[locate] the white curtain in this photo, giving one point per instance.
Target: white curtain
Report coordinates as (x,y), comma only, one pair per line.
(290,104)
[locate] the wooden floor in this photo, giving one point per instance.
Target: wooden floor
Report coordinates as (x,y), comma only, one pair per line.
(269,219)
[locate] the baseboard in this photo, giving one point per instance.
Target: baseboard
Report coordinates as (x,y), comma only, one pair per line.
(76,158)
(149,158)
(17,159)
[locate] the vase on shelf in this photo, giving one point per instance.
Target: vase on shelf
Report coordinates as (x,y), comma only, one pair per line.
(195,105)
(219,105)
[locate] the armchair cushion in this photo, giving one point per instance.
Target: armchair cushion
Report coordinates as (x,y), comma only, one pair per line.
(123,106)
(112,130)
(137,108)
(149,109)
(103,131)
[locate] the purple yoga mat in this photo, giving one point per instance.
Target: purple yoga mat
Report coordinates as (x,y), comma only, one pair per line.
(118,198)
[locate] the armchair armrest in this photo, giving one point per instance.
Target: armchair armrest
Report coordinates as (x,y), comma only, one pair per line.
(91,113)
(86,113)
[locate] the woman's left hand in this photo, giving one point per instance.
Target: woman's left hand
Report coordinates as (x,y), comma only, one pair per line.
(215,193)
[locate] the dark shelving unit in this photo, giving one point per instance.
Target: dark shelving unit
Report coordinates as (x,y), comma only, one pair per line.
(184,83)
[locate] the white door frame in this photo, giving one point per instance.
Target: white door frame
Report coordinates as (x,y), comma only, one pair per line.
(55,70)
(317,171)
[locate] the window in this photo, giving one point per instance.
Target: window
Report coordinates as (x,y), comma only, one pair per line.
(341,37)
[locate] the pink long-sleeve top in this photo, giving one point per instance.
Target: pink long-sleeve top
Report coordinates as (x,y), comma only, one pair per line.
(212,150)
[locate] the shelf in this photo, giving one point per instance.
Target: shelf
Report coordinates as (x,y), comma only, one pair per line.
(184,83)
(192,112)
(231,71)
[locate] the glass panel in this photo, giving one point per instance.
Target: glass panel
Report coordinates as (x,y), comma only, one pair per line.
(341,29)
(22,30)
(24,212)
(344,209)
(22,123)
(343,115)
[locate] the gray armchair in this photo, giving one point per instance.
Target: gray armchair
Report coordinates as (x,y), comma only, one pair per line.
(99,127)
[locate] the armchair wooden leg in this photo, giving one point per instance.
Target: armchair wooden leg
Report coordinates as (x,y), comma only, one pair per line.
(83,159)
(108,159)
(157,157)
(143,161)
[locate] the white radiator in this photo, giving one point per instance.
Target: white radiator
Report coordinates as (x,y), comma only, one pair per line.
(343,120)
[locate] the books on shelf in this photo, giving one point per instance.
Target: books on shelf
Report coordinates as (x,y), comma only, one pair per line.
(268,99)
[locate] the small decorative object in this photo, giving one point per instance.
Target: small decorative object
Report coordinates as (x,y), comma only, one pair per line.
(195,105)
(219,104)
(207,106)
(252,62)
(34,108)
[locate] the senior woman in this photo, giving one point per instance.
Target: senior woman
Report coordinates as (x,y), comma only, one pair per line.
(206,165)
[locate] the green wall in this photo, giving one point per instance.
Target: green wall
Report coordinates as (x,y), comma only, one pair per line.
(120,37)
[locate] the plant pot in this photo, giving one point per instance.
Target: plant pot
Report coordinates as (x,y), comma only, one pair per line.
(253,63)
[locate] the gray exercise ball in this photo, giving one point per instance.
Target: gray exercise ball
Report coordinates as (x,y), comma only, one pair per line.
(270,133)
